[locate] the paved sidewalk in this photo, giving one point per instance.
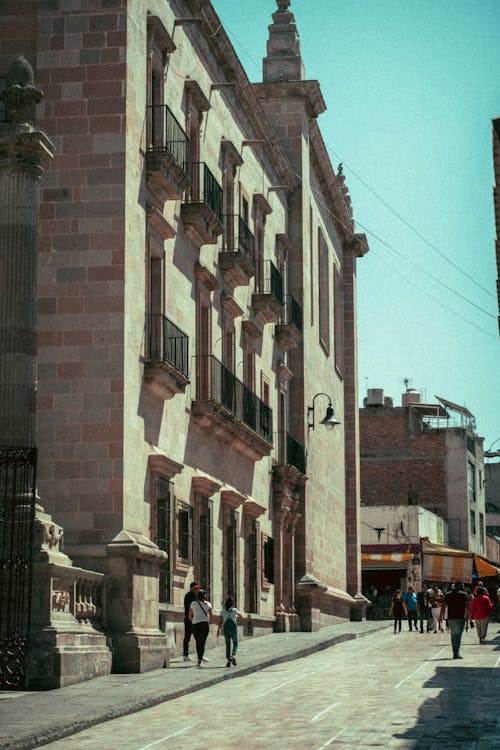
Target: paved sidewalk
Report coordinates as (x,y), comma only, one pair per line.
(29,720)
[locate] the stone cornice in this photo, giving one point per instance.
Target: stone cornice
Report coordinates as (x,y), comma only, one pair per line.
(233,70)
(158,35)
(308,91)
(205,485)
(205,277)
(195,96)
(261,205)
(230,154)
(334,192)
(160,463)
(357,244)
(230,305)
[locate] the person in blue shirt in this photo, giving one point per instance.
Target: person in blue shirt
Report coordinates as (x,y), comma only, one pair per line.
(229,626)
(410,599)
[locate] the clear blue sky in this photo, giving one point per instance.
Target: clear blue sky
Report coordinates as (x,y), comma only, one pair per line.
(411,88)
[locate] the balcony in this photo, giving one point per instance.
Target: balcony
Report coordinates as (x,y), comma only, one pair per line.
(267,300)
(167,173)
(202,211)
(291,453)
(167,358)
(237,259)
(289,329)
(231,412)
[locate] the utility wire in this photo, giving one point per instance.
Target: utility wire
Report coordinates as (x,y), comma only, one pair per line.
(407,223)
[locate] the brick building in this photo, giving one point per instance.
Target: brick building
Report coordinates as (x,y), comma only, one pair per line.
(427,455)
(196,296)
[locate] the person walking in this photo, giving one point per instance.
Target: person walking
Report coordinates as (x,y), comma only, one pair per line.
(229,625)
(436,602)
(422,610)
(398,610)
(480,610)
(457,604)
(188,598)
(200,614)
(410,599)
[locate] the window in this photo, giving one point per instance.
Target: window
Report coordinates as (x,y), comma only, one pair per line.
(162,532)
(267,561)
(481,529)
(472,522)
(203,542)
(230,551)
(184,533)
(471,482)
(324,293)
(251,566)
(338,322)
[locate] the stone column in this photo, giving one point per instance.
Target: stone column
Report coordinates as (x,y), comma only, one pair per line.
(22,148)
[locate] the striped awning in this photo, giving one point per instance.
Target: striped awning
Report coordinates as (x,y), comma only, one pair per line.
(385,559)
(484,569)
(444,568)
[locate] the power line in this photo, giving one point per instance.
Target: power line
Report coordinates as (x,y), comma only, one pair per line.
(407,223)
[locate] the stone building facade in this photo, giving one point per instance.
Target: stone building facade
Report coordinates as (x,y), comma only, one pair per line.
(196,296)
(427,455)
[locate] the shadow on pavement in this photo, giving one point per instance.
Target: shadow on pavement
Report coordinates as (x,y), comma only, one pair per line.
(465,710)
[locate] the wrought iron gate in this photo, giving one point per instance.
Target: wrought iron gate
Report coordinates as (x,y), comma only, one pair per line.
(17,512)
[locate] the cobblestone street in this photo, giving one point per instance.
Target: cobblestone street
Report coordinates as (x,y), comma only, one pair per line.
(387,691)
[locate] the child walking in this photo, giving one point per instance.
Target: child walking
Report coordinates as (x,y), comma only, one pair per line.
(398,609)
(229,627)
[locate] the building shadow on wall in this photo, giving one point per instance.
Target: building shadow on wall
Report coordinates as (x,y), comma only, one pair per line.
(464,711)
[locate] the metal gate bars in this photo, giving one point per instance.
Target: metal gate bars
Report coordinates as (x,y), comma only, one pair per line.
(17,512)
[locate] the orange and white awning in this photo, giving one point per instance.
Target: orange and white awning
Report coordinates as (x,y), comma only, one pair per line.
(446,564)
(385,559)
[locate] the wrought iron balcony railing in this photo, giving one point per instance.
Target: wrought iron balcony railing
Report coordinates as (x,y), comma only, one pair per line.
(292,312)
(291,452)
(167,343)
(245,241)
(166,134)
(205,189)
(268,280)
(214,382)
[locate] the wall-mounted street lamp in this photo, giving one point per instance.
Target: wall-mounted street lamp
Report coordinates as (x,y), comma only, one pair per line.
(328,420)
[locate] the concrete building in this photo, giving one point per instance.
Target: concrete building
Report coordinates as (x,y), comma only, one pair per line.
(196,318)
(428,455)
(391,549)
(492,480)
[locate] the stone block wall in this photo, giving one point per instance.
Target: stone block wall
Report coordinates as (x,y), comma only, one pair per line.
(81,65)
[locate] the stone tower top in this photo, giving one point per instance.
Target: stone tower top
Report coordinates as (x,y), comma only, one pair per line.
(283,61)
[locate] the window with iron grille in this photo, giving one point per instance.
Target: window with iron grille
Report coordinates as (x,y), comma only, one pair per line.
(231,554)
(162,532)
(203,542)
(268,560)
(184,533)
(251,565)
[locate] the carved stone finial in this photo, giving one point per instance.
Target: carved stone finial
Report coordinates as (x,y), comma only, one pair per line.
(283,5)
(21,93)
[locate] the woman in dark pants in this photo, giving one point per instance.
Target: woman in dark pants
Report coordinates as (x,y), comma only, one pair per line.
(200,614)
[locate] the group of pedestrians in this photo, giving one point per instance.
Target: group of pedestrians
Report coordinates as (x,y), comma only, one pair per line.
(456,609)
(198,614)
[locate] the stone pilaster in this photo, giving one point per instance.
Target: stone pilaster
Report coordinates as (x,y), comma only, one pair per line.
(132,604)
(22,148)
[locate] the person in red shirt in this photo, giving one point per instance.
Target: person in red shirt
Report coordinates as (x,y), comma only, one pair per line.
(481,609)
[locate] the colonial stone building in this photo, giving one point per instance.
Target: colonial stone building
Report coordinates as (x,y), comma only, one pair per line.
(196,321)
